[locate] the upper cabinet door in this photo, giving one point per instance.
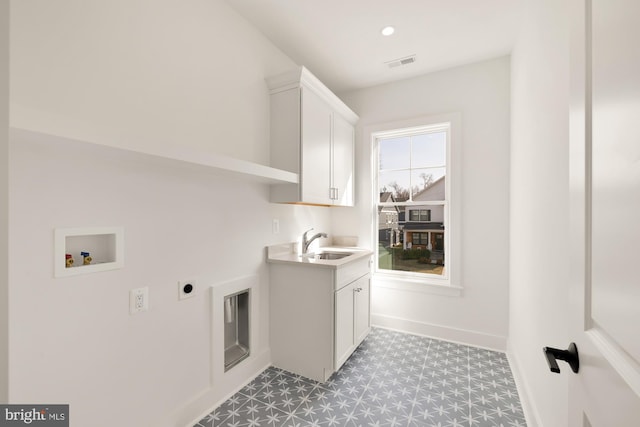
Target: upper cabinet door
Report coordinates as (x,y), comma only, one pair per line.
(312,134)
(315,173)
(343,159)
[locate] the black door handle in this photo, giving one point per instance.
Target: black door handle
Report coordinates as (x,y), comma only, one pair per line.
(570,356)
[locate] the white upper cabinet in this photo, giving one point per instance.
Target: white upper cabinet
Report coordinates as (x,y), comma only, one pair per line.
(315,167)
(343,161)
(312,134)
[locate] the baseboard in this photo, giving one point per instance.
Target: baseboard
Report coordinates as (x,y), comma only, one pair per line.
(464,336)
(204,403)
(531,415)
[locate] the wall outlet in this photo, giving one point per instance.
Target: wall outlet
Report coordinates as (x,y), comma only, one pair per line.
(275,226)
(186,289)
(138,300)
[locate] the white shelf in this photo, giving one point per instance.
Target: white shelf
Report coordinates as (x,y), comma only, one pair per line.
(222,163)
(228,164)
(105,244)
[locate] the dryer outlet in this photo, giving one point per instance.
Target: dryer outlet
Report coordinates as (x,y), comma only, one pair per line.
(186,289)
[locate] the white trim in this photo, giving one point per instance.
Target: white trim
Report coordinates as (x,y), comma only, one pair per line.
(463,336)
(625,365)
(301,76)
(453,230)
(531,412)
(397,129)
(202,400)
(424,283)
(416,204)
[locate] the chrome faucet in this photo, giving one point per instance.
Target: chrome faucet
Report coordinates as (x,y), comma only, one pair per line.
(306,242)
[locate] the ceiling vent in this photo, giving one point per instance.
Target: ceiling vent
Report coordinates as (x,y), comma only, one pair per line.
(401,61)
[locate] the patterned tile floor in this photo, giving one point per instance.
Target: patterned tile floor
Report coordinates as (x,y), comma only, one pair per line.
(393,379)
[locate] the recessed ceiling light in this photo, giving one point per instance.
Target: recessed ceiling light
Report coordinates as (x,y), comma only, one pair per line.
(387,31)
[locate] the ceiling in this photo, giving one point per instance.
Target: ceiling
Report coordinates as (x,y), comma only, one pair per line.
(340,41)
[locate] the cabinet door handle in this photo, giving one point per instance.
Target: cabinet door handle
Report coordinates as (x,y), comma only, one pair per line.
(358,289)
(333,193)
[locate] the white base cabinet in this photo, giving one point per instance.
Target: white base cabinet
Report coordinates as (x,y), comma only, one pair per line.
(352,317)
(319,315)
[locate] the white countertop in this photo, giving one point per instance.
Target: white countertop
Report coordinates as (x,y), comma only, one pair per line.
(285,254)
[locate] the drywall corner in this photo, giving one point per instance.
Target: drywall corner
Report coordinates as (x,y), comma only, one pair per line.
(4,201)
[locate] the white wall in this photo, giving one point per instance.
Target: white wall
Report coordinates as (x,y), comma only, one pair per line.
(73,340)
(143,76)
(539,177)
(480,93)
(4,199)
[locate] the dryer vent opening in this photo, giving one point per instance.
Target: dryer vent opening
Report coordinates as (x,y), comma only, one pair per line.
(236,328)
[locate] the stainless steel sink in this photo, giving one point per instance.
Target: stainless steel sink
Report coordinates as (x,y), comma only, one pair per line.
(328,255)
(332,255)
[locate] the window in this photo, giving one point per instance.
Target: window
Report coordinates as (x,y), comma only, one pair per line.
(420,215)
(420,239)
(411,178)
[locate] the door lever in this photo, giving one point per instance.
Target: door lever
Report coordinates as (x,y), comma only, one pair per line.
(570,356)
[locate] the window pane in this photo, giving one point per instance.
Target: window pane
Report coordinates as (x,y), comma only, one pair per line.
(428,184)
(410,247)
(413,169)
(394,153)
(395,183)
(433,213)
(419,214)
(429,150)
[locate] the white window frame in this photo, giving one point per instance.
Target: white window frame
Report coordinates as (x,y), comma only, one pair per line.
(450,283)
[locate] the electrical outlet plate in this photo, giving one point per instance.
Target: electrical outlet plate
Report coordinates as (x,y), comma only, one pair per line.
(184,291)
(138,300)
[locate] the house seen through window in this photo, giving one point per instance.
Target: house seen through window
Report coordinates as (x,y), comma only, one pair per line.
(412,206)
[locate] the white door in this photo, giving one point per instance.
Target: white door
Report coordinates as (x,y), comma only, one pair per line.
(605,212)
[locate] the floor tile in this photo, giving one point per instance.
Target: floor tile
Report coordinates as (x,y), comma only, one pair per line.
(393,379)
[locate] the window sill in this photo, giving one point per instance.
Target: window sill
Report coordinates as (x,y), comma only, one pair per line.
(425,286)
